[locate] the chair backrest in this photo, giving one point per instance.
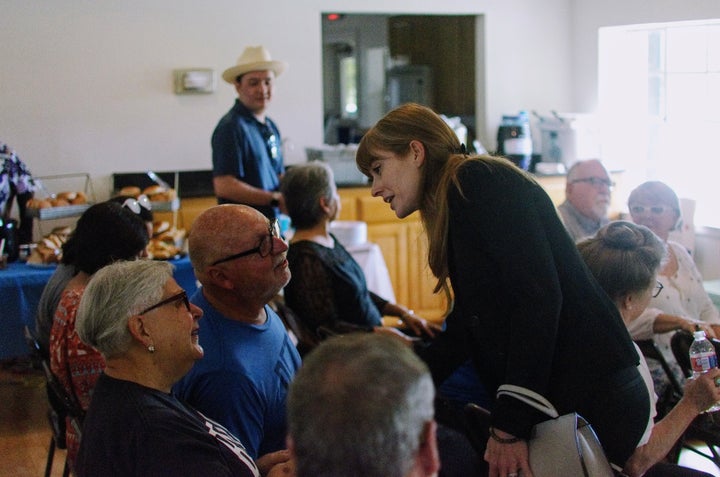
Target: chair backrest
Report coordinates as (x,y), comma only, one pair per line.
(478,420)
(650,350)
(680,345)
(69,405)
(62,404)
(306,341)
(38,353)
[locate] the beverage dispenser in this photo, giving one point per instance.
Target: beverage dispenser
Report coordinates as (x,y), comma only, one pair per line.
(514,140)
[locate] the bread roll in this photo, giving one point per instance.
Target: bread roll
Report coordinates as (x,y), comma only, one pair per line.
(39,204)
(80,198)
(154,190)
(66,195)
(59,202)
(132,191)
(158,193)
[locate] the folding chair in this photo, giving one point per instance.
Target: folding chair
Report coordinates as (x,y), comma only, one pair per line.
(62,405)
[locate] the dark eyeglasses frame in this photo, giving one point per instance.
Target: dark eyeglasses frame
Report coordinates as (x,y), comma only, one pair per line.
(658,288)
(596,182)
(262,249)
(171,299)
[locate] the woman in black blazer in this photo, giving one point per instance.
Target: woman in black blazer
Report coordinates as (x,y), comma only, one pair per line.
(526,309)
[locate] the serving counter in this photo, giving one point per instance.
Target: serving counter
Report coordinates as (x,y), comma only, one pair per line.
(20,288)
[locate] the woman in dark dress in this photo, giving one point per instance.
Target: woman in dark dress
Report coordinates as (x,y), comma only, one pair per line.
(328,287)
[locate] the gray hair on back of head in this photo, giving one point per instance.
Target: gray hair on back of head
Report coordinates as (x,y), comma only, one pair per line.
(367,394)
(303,186)
(115,293)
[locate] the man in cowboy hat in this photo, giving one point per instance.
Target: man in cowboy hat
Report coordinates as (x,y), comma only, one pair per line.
(247,157)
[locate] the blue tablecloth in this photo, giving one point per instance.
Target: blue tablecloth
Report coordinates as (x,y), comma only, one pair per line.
(20,288)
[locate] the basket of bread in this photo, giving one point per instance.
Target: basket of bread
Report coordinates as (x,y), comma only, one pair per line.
(163,198)
(57,206)
(167,242)
(48,250)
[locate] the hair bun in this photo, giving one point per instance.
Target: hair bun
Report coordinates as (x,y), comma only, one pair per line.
(622,235)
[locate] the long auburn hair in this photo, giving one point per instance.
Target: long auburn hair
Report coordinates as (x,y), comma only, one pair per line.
(444,156)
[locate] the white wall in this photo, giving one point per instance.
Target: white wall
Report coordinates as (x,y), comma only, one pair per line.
(86,86)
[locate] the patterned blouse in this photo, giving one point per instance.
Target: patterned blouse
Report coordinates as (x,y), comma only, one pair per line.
(76,365)
(14,176)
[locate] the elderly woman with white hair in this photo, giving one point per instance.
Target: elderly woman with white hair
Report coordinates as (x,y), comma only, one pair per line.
(683,304)
(141,321)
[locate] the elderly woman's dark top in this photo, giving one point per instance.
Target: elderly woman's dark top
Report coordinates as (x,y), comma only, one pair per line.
(134,430)
(527,310)
(328,289)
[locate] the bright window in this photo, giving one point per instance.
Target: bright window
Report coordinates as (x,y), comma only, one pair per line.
(659,104)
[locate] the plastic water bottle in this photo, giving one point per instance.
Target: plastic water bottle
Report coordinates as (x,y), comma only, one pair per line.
(703,358)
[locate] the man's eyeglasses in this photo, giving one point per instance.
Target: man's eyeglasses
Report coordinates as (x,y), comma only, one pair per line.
(177,297)
(658,288)
(596,182)
(135,204)
(655,209)
(265,248)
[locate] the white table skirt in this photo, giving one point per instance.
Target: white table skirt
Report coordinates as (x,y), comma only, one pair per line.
(370,258)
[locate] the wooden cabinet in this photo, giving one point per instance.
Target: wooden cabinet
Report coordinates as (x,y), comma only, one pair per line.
(404,245)
(404,248)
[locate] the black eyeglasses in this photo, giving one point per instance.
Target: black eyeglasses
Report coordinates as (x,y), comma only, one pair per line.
(655,209)
(658,288)
(596,182)
(267,243)
(177,297)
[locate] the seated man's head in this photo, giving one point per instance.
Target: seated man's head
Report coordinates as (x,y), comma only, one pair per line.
(238,254)
(588,188)
(362,404)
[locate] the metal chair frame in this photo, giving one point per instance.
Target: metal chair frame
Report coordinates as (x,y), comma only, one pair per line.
(61,404)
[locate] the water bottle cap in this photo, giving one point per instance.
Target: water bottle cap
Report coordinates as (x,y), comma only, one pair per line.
(699,334)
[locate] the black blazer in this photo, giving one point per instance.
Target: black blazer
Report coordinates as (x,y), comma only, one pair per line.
(527,310)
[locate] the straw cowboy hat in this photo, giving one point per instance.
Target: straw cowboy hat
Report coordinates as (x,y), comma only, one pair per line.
(254,58)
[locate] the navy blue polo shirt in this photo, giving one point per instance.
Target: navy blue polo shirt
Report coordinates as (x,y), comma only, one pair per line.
(249,150)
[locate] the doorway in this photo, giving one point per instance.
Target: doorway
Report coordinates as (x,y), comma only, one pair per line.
(374,62)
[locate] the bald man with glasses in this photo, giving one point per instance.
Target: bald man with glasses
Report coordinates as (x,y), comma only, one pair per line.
(587,199)
(239,258)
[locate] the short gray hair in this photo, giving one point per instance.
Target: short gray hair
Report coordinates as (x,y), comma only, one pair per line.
(359,406)
(115,293)
(303,186)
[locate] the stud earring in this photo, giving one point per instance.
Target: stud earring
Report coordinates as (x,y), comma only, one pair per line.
(151,348)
